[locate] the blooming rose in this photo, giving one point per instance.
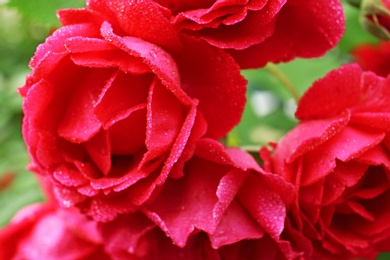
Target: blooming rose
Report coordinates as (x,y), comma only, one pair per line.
(133,236)
(257,32)
(43,232)
(338,160)
(375,58)
(226,195)
(116,101)
(225,207)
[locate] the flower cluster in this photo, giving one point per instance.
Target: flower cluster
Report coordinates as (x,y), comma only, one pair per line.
(338,160)
(123,112)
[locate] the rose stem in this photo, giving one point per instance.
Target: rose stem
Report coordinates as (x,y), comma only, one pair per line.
(277,73)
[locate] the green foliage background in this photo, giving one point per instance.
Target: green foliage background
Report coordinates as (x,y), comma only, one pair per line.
(25,24)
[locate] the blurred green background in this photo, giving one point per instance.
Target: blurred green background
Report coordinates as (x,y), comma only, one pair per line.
(23,25)
(268,114)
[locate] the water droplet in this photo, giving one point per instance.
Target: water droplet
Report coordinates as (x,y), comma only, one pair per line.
(153,53)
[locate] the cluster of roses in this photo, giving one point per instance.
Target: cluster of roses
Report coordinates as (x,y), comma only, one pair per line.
(124,108)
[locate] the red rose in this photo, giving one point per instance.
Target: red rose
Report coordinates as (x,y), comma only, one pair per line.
(375,58)
(133,236)
(42,232)
(257,32)
(225,194)
(338,160)
(110,114)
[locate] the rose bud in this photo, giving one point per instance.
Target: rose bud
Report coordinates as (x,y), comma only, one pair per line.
(375,17)
(374,58)
(111,109)
(257,32)
(339,161)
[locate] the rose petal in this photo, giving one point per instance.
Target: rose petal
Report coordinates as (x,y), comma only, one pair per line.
(56,42)
(262,249)
(125,234)
(20,224)
(227,189)
(165,116)
(264,205)
(358,210)
(105,209)
(74,16)
(310,199)
(372,228)
(308,136)
(373,57)
(344,175)
(298,21)
(235,226)
(180,144)
(67,197)
(198,130)
(187,203)
(152,24)
(39,102)
(69,176)
(127,135)
(254,29)
(346,145)
(211,76)
(349,241)
(339,100)
(377,120)
(48,236)
(80,123)
(242,159)
(213,151)
(99,150)
(124,170)
(80,44)
(375,156)
(161,63)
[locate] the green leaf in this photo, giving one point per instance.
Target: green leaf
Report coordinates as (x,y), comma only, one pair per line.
(383,256)
(43,11)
